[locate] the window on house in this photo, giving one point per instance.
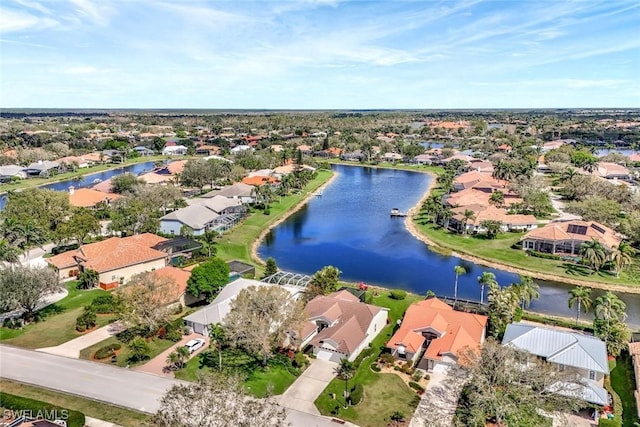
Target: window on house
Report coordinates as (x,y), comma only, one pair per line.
(113,277)
(561,367)
(592,375)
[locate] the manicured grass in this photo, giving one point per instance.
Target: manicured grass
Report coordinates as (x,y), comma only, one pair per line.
(260,381)
(237,243)
(59,321)
(499,250)
(91,408)
(156,346)
(383,393)
(622,381)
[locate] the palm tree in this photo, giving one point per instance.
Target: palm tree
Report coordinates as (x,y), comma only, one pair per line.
(345,371)
(621,257)
(216,333)
(497,198)
(568,174)
(177,357)
(581,297)
(526,291)
(487,279)
(468,216)
(594,253)
(608,308)
(458,270)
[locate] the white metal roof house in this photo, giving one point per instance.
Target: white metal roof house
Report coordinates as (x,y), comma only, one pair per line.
(174,150)
(584,353)
(197,217)
(216,311)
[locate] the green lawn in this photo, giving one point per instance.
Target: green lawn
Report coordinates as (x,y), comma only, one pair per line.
(237,243)
(383,393)
(622,381)
(59,321)
(156,346)
(500,250)
(91,408)
(273,379)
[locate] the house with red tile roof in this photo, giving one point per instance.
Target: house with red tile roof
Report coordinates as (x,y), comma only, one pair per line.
(478,180)
(340,325)
(116,259)
(88,198)
(481,213)
(566,237)
(433,335)
(259,180)
(179,277)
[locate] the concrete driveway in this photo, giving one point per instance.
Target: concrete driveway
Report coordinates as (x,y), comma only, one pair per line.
(306,389)
(72,348)
(440,399)
(156,365)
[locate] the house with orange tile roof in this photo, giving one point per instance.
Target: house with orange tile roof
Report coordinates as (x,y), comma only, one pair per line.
(478,180)
(116,259)
(566,237)
(481,213)
(610,170)
(433,335)
(179,277)
(259,180)
(474,196)
(88,198)
(340,325)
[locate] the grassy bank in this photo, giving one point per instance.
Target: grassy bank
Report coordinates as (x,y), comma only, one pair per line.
(500,251)
(622,381)
(91,408)
(237,243)
(59,321)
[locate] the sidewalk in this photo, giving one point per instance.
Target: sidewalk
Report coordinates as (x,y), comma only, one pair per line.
(72,348)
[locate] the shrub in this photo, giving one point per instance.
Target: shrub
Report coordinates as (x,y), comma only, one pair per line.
(103,304)
(417,376)
(363,355)
(139,349)
(300,360)
(417,387)
(398,294)
(356,394)
(387,359)
(86,320)
(606,422)
(10,401)
(107,351)
(543,255)
(617,403)
(375,367)
(427,377)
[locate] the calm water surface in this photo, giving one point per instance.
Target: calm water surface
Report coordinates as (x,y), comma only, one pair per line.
(349,227)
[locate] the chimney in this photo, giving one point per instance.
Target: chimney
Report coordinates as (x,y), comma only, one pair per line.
(71,189)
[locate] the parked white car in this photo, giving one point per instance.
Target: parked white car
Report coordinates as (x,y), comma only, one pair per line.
(194,344)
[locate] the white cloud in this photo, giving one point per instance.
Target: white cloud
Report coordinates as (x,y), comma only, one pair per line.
(12,21)
(98,12)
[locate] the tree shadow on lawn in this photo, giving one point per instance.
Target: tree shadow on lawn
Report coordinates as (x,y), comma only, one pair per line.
(583,271)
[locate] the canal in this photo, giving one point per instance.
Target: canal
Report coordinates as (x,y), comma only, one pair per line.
(92,179)
(349,227)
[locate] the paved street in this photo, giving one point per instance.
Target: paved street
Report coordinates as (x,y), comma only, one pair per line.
(105,383)
(306,389)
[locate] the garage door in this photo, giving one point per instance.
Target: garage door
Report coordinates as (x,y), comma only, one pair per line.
(325,355)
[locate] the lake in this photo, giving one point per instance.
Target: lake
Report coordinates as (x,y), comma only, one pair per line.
(349,227)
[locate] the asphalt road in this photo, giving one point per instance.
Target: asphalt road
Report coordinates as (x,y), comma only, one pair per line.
(105,383)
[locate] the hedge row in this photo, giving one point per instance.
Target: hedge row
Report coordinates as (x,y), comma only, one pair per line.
(416,386)
(543,255)
(107,351)
(616,421)
(40,409)
(356,394)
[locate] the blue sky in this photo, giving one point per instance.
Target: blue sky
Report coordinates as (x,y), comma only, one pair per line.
(319,54)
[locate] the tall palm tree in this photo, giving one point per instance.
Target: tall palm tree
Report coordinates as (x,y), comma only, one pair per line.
(609,308)
(487,279)
(458,270)
(526,290)
(216,333)
(594,253)
(621,257)
(568,174)
(468,216)
(581,297)
(497,198)
(345,371)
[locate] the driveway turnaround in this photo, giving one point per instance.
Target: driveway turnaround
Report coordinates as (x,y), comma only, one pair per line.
(306,389)
(72,348)
(105,383)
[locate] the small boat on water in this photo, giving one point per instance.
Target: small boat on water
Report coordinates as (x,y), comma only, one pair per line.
(397,212)
(96,181)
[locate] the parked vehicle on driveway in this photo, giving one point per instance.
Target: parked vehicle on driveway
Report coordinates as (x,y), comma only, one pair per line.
(195,344)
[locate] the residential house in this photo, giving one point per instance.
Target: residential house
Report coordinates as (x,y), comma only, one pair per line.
(424,159)
(43,168)
(392,157)
(566,349)
(178,249)
(566,237)
(341,326)
(157,178)
(474,196)
(480,181)
(304,149)
(239,190)
(433,335)
(143,151)
(481,213)
(80,162)
(355,155)
(174,150)
(634,352)
(240,148)
(10,172)
(88,198)
(116,259)
(196,218)
(259,180)
(177,293)
(218,309)
(208,150)
(609,170)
